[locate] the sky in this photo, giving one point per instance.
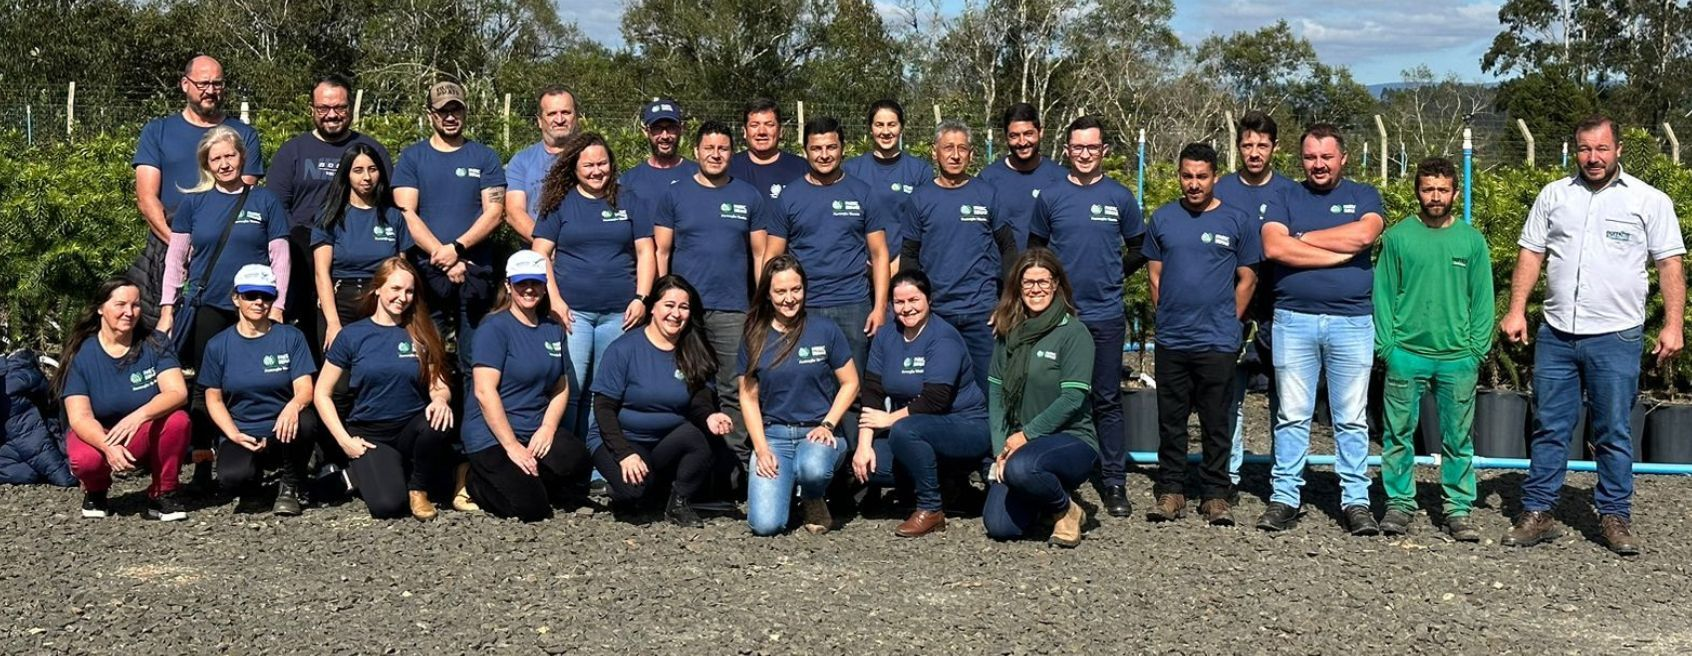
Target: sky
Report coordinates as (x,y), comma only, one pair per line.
(1377,39)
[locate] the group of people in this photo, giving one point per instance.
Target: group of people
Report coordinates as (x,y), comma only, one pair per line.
(800,327)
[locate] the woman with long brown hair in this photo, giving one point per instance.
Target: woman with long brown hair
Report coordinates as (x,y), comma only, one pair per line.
(1041,426)
(396,435)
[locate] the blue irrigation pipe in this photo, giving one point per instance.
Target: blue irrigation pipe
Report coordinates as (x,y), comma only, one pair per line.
(1480,462)
(1140,173)
(1468,175)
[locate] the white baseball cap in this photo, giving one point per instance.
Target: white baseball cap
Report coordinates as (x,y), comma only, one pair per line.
(255,278)
(526,265)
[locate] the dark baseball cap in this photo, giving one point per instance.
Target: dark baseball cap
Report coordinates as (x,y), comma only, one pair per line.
(660,109)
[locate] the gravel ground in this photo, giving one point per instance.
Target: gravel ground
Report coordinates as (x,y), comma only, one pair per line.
(335,581)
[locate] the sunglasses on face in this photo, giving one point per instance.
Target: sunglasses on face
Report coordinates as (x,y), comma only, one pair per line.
(254,297)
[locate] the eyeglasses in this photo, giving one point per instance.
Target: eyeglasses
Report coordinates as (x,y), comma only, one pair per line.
(1090,149)
(254,297)
(207,85)
(1042,284)
(331,109)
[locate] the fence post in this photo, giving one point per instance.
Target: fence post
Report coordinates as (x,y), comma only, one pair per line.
(1140,172)
(70,109)
(1386,147)
(1233,140)
(505,119)
(1674,143)
(358,107)
(246,114)
(29,124)
(936,116)
(1403,160)
(1527,135)
(1365,156)
(801,107)
(989,132)
(1468,175)
(1565,155)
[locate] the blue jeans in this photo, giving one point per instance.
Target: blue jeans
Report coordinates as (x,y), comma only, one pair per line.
(1606,368)
(1037,481)
(590,334)
(920,441)
(799,462)
(1108,337)
(978,339)
(1306,347)
(1242,382)
(850,320)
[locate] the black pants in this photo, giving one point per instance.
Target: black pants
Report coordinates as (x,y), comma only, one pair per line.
(1189,381)
(410,455)
(301,305)
(681,461)
(208,322)
(503,490)
(239,469)
(349,297)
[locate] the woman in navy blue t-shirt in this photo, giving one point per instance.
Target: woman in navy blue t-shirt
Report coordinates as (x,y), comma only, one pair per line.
(396,434)
(522,462)
(656,407)
(358,227)
(797,382)
(919,387)
(257,381)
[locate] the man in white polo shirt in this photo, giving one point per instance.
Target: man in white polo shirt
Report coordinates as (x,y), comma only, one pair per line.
(1593,233)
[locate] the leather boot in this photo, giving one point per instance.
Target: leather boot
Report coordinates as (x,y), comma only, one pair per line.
(920,523)
(461,500)
(421,507)
(1066,531)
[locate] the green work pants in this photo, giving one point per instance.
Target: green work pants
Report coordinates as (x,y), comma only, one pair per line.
(1408,377)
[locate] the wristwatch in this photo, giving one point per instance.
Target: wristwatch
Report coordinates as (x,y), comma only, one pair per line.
(457,247)
(827,424)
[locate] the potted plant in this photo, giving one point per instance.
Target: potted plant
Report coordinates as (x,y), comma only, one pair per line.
(1139,392)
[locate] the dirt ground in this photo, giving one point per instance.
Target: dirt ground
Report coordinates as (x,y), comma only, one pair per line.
(335,581)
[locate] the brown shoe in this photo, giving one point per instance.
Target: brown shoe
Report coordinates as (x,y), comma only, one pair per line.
(920,523)
(1066,530)
(1531,528)
(461,500)
(1618,535)
(421,507)
(817,519)
(1217,512)
(1170,507)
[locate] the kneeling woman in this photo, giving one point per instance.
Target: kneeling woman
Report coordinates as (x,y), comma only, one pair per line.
(922,367)
(257,378)
(123,395)
(1040,421)
(396,435)
(654,408)
(797,381)
(522,383)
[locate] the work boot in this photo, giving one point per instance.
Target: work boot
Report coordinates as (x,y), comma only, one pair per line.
(1217,512)
(1066,531)
(1277,517)
(1395,522)
(1618,535)
(817,519)
(287,499)
(1462,529)
(1115,500)
(1169,507)
(1360,521)
(920,523)
(461,500)
(1531,528)
(421,507)
(679,511)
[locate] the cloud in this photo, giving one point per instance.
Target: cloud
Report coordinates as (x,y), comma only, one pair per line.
(600,20)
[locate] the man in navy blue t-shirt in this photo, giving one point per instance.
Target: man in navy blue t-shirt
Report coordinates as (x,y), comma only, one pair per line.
(660,121)
(764,163)
(1023,172)
(299,177)
(1202,251)
(1320,235)
(890,172)
(556,117)
(1088,219)
(166,163)
(452,190)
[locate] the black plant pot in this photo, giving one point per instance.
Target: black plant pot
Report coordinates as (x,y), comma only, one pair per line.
(1429,437)
(1501,423)
(1670,429)
(1139,419)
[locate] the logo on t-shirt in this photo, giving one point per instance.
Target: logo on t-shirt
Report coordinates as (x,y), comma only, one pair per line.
(846,208)
(734,211)
(555,349)
(914,365)
(249,217)
(775,191)
(1348,208)
(143,379)
(812,354)
(1106,213)
(1460,262)
(1219,240)
(612,216)
(1049,355)
(406,350)
(383,233)
(468,172)
(276,363)
(679,375)
(972,213)
(1262,209)
(901,187)
(1034,192)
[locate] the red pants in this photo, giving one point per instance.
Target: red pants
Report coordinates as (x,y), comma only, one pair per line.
(157,446)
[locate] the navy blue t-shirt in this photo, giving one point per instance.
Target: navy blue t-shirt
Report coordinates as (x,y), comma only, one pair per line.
(361,242)
(256,374)
(384,377)
(1343,290)
(711,247)
(202,216)
(648,181)
(527,171)
(114,388)
(958,253)
(302,169)
(936,357)
(1255,202)
(1087,227)
(645,379)
(449,187)
(171,145)
(593,255)
(1200,252)
(768,179)
(531,360)
(893,183)
(801,388)
(1018,190)
(828,229)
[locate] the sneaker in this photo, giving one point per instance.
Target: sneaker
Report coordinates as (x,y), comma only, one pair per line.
(1360,521)
(1169,507)
(817,519)
(1278,517)
(166,508)
(1395,522)
(1462,529)
(287,500)
(95,506)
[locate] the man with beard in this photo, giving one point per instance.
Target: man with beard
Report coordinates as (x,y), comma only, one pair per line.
(1023,172)
(300,175)
(660,121)
(764,163)
(1320,235)
(556,117)
(166,163)
(1594,233)
(452,190)
(890,172)
(1433,324)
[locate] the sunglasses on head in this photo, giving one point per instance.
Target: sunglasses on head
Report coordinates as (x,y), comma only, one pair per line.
(257,296)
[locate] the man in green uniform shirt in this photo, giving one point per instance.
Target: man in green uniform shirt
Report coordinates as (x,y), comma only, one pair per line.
(1433,324)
